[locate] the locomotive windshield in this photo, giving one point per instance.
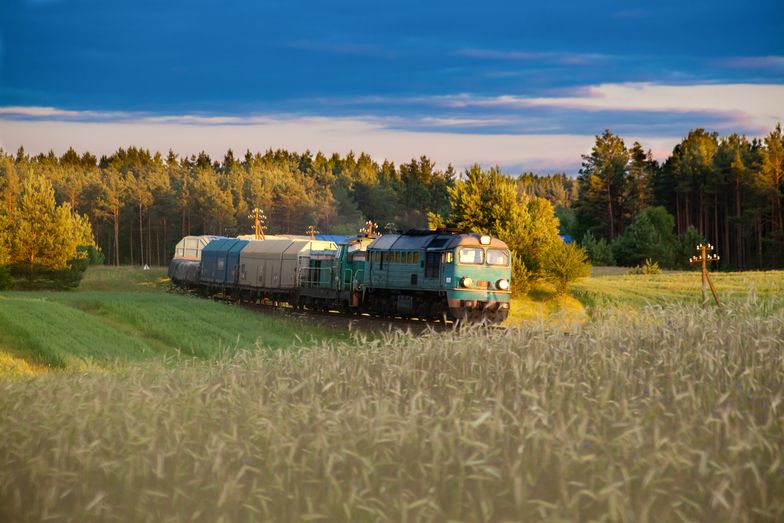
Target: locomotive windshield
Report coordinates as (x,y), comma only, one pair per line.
(471,255)
(497,257)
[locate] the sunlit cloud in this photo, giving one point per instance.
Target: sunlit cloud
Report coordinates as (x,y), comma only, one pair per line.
(750,106)
(543,133)
(532,152)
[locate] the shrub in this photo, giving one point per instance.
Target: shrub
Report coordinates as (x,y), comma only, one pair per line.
(5,278)
(94,254)
(565,263)
(650,267)
(598,250)
(522,278)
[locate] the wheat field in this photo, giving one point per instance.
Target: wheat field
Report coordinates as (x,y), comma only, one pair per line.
(661,413)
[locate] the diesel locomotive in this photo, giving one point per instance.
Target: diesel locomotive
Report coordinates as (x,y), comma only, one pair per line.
(428,274)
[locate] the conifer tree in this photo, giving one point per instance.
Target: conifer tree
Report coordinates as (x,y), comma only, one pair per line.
(40,234)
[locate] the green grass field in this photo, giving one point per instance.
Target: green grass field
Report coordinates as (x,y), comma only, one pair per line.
(126,315)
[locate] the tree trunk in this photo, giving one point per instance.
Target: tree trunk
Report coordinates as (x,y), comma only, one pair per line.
(165,243)
(141,234)
(716,222)
(759,243)
(726,231)
(131,237)
(149,238)
(117,237)
(610,213)
(678,218)
(738,236)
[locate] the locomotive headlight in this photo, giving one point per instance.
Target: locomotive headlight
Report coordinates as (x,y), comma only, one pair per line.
(484,239)
(466,282)
(502,284)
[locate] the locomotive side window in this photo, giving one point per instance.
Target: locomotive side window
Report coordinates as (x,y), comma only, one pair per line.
(416,257)
(497,257)
(397,257)
(410,258)
(471,255)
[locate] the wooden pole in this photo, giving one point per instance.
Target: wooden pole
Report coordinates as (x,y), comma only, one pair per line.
(703,260)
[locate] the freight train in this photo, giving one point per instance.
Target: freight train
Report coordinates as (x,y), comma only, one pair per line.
(428,274)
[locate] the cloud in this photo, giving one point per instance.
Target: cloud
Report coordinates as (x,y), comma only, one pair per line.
(765,63)
(560,58)
(54,113)
(750,106)
(544,153)
(543,133)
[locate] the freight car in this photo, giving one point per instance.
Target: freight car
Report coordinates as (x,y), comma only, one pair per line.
(441,274)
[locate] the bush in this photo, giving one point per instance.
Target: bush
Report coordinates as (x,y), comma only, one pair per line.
(565,263)
(41,277)
(5,278)
(94,254)
(598,250)
(650,267)
(521,276)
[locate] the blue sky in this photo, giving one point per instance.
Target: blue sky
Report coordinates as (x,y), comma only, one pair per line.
(520,84)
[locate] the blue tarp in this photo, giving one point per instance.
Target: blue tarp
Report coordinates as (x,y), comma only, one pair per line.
(219,259)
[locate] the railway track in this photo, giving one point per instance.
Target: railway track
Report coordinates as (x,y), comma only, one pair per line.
(336,319)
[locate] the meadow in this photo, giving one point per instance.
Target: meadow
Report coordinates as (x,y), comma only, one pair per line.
(119,316)
(648,407)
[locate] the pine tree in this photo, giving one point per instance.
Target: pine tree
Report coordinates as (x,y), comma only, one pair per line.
(42,234)
(602,186)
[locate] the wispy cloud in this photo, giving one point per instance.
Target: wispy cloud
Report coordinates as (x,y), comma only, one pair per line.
(561,58)
(58,114)
(756,106)
(771,63)
(545,153)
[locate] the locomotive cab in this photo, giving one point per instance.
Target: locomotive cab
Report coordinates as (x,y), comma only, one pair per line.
(477,272)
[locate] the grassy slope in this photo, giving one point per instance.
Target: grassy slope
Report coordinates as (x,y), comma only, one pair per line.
(123,316)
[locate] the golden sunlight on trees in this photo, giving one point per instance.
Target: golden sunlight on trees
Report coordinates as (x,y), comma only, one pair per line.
(41,240)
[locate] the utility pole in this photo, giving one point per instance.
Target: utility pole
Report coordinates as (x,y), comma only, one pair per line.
(369,228)
(259,218)
(312,231)
(704,258)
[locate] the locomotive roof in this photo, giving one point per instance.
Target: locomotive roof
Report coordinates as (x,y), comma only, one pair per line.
(439,239)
